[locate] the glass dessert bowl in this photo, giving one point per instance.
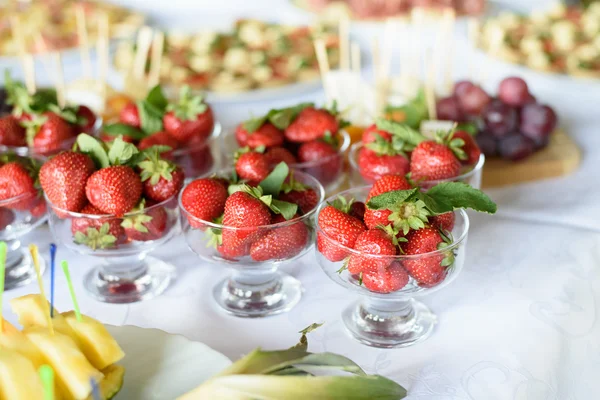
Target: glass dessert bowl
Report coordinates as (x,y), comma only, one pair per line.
(125,273)
(256,288)
(387,315)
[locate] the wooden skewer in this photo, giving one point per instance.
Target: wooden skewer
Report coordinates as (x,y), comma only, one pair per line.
(344,32)
(157,52)
(417,19)
(380,93)
(356,69)
(389,34)
(323,62)
(60,80)
(103,53)
(26,57)
(496,42)
(473,33)
(84,45)
(144,39)
(450,20)
(376,60)
(404,35)
(430,80)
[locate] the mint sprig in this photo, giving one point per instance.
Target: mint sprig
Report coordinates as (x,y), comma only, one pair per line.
(120,129)
(279,117)
(400,131)
(273,182)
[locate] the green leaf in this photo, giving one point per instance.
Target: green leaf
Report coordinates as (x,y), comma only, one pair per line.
(254,124)
(390,199)
(469,127)
(93,148)
(288,210)
(402,131)
(283,117)
(119,129)
(157,98)
(303,342)
(150,117)
(448,196)
(121,152)
(273,182)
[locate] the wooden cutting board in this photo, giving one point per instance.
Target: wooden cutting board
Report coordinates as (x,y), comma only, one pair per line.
(561,157)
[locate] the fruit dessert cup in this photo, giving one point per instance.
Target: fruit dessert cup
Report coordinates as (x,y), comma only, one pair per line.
(393,148)
(185,130)
(399,246)
(37,125)
(309,139)
(254,231)
(117,205)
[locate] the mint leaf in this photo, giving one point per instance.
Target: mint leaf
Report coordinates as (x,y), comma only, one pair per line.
(119,129)
(287,210)
(435,205)
(389,199)
(449,196)
(157,98)
(93,148)
(402,131)
(121,152)
(254,124)
(469,127)
(273,182)
(283,117)
(150,117)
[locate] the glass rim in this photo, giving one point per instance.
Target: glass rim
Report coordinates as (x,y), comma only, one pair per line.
(353,157)
(214,135)
(352,251)
(21,197)
(317,186)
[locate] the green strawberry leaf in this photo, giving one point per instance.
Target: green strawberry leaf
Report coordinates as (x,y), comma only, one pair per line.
(121,152)
(150,117)
(402,131)
(273,182)
(189,105)
(157,98)
(287,210)
(342,204)
(390,199)
(283,117)
(119,129)
(469,127)
(93,148)
(448,196)
(254,124)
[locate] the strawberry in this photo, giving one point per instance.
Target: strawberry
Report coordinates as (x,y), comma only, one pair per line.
(97,233)
(387,183)
(204,199)
(130,115)
(49,132)
(275,155)
(374,242)
(6,218)
(38,208)
(114,190)
(241,135)
(252,166)
(149,225)
(86,119)
(433,161)
(445,221)
(311,124)
(267,136)
(16,182)
(281,243)
(11,133)
(428,270)
(391,279)
(189,118)
(315,151)
(63,179)
(373,166)
(306,198)
(372,134)
(162,179)
(158,139)
(470,147)
(338,228)
(107,138)
(357,210)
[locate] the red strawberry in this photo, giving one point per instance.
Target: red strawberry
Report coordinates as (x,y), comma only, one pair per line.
(99,233)
(189,118)
(267,135)
(311,124)
(338,228)
(470,147)
(11,133)
(357,210)
(275,155)
(49,132)
(445,221)
(387,183)
(149,225)
(433,161)
(374,242)
(63,179)
(88,119)
(241,135)
(38,207)
(391,279)
(114,190)
(281,243)
(162,179)
(16,181)
(204,199)
(6,218)
(307,199)
(158,139)
(315,151)
(373,166)
(428,270)
(105,137)
(252,166)
(130,115)
(371,134)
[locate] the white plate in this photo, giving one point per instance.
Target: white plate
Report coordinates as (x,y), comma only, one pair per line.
(162,366)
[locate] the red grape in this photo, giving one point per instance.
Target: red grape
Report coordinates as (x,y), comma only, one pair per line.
(515,147)
(473,100)
(487,143)
(500,119)
(461,87)
(449,110)
(537,121)
(514,91)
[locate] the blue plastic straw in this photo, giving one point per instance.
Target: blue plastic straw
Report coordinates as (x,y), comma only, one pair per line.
(95,390)
(52,262)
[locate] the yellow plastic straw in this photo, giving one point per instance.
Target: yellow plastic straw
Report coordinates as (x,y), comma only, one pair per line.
(33,249)
(2,271)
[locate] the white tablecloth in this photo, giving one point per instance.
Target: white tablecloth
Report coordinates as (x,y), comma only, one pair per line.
(520,322)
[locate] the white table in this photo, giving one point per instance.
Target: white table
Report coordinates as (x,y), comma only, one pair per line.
(520,322)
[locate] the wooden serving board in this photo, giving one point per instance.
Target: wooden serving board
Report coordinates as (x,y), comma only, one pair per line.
(561,157)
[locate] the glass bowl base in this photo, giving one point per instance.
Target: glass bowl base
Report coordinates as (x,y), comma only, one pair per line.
(152,278)
(258,299)
(19,268)
(389,325)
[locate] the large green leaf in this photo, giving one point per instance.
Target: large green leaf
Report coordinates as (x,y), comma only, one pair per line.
(452,195)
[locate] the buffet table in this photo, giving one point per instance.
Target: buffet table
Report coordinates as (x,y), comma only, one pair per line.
(520,322)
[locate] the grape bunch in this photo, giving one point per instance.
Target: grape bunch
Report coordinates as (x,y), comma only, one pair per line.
(513,125)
